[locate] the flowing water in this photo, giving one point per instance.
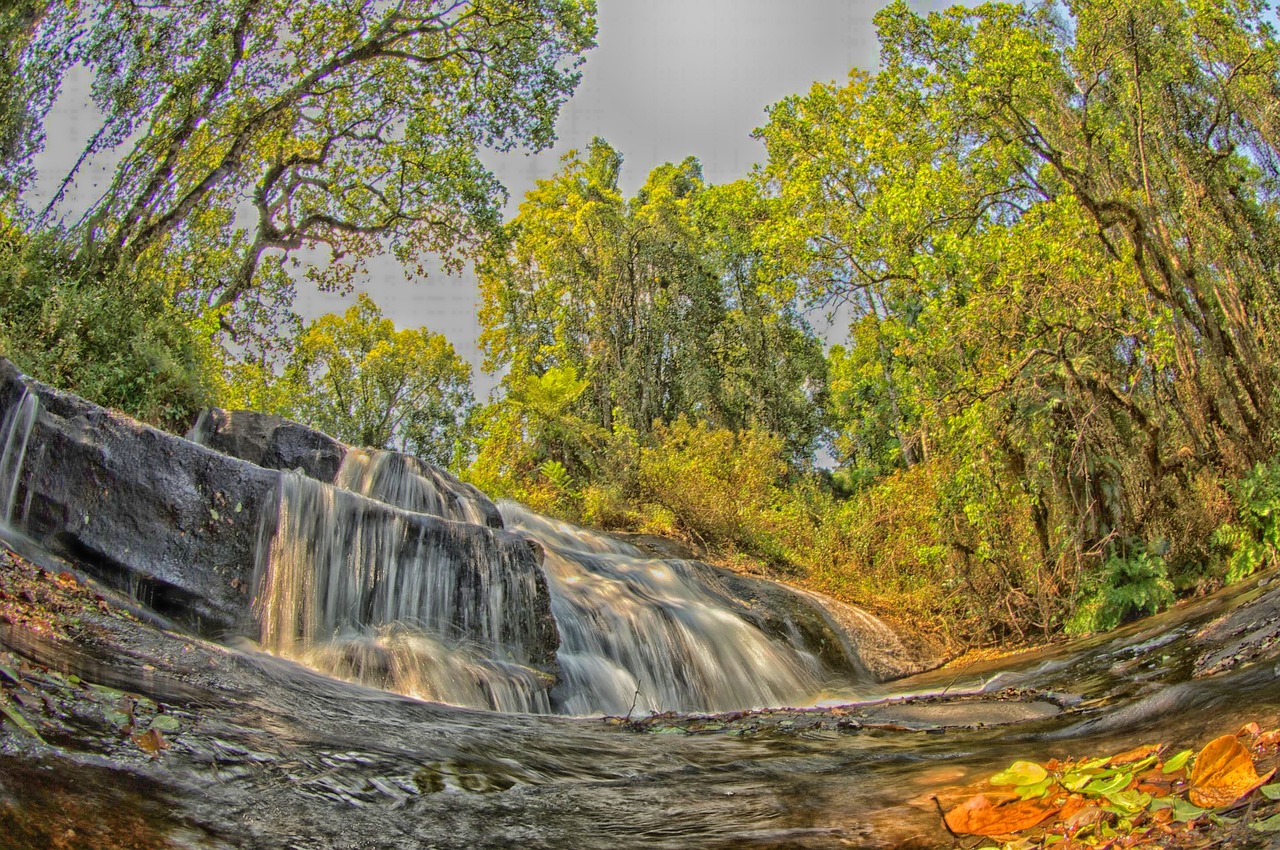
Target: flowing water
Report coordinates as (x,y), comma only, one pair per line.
(443,611)
(262,752)
(404,481)
(432,608)
(649,635)
(15,435)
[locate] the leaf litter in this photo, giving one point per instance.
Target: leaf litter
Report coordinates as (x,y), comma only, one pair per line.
(1131,799)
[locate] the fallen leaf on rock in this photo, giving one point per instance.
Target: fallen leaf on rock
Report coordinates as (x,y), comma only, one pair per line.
(151,742)
(981,815)
(1020,773)
(1268,739)
(1223,773)
(1177,762)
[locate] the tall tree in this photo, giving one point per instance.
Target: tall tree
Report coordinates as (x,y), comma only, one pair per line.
(653,300)
(30,87)
(357,377)
(1056,227)
(253,132)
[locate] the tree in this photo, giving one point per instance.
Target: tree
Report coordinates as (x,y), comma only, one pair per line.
(359,379)
(345,128)
(26,96)
(1056,227)
(654,301)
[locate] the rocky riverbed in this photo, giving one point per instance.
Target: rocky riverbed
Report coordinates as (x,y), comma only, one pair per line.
(118,732)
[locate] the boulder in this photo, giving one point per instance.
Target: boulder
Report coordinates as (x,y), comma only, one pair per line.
(845,638)
(188,531)
(392,477)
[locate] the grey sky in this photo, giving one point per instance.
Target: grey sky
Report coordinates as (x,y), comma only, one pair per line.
(668,79)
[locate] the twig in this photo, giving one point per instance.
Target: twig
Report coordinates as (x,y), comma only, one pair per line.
(943,815)
(634,700)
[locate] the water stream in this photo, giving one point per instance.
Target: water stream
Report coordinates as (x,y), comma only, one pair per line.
(445,611)
(419,591)
(649,635)
(15,435)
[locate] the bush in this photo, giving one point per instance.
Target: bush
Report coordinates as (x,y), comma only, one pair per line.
(720,486)
(1126,587)
(1253,540)
(118,342)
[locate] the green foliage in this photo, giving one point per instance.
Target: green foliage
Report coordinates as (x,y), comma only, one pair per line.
(1060,270)
(1127,586)
(1253,540)
(655,302)
(346,128)
(118,341)
(720,486)
(358,378)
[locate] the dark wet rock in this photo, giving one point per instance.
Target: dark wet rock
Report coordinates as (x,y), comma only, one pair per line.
(277,443)
(844,637)
(179,526)
(1248,634)
(151,514)
(887,651)
(271,442)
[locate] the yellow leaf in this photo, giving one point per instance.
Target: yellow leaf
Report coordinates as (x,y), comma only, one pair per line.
(1223,773)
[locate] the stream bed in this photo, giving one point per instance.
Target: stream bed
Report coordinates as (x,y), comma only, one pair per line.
(256,751)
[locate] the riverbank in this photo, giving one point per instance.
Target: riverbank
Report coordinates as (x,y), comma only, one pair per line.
(158,739)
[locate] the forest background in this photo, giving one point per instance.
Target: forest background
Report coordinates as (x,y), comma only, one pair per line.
(1055,229)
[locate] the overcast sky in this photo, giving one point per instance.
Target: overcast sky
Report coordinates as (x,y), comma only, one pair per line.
(668,79)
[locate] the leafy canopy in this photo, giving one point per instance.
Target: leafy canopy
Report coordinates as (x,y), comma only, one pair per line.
(254,134)
(357,377)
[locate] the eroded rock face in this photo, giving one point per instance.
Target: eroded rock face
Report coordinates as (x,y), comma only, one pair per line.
(184,528)
(392,477)
(154,515)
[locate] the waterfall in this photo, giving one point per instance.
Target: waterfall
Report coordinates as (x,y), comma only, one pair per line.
(15,434)
(382,569)
(404,601)
(635,631)
(406,482)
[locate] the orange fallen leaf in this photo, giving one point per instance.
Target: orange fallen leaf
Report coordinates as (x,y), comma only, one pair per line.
(1073,804)
(1223,773)
(151,742)
(1252,729)
(1268,739)
(981,815)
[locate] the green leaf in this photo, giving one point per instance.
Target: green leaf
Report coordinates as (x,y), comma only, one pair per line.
(1271,824)
(1129,802)
(1076,781)
(165,723)
(1109,785)
(1177,762)
(18,720)
(1184,810)
(1020,773)
(1272,791)
(1037,789)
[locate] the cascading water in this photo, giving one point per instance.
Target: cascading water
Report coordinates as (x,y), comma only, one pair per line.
(403,601)
(406,482)
(394,575)
(15,435)
(643,634)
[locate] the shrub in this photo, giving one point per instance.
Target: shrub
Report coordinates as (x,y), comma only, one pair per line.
(1127,586)
(1253,540)
(119,342)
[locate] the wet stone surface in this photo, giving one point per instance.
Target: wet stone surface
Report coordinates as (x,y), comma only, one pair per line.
(140,737)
